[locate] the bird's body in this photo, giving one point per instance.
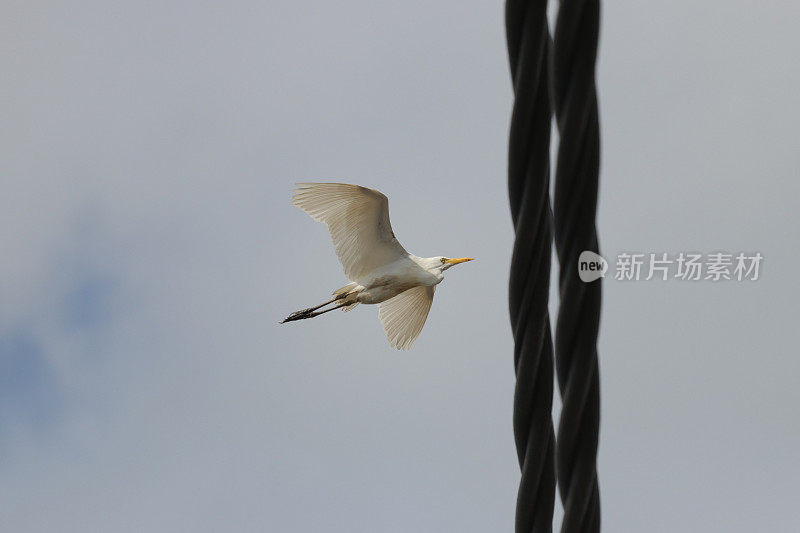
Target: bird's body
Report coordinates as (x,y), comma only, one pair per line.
(398,276)
(381,271)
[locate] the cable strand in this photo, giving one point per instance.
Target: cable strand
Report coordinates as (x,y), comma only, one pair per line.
(528,39)
(574,56)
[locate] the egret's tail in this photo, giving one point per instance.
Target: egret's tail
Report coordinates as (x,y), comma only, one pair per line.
(340,298)
(344,292)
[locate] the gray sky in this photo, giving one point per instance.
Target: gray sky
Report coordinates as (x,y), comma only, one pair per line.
(149,150)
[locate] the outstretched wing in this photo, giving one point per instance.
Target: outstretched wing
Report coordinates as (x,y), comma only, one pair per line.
(404,315)
(358,219)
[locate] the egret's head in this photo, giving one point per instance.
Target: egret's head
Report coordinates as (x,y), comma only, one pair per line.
(446,262)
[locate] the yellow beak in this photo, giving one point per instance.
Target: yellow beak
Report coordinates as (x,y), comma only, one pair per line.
(459,260)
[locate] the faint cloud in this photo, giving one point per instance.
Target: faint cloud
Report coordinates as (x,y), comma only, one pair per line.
(88,304)
(28,390)
(50,347)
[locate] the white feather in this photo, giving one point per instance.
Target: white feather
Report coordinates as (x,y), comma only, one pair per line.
(404,315)
(358,220)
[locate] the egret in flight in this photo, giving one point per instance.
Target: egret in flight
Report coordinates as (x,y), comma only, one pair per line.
(381,271)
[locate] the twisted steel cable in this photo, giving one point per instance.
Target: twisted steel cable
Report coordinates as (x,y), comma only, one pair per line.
(529,191)
(575,206)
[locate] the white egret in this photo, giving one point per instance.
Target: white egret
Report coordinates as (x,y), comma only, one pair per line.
(381,271)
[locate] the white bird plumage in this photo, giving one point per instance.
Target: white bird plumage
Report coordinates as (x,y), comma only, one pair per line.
(381,271)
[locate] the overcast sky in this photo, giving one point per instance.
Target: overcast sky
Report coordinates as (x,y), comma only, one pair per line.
(147,157)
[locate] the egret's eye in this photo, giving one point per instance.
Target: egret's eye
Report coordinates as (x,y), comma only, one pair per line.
(443,260)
